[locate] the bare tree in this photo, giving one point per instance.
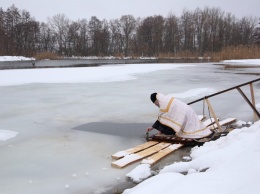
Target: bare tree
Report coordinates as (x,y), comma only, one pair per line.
(171,34)
(83,41)
(188,31)
(199,31)
(116,42)
(2,32)
(257,34)
(127,25)
(95,27)
(247,27)
(47,38)
(59,25)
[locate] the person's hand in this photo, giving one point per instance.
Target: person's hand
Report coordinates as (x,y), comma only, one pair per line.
(149,129)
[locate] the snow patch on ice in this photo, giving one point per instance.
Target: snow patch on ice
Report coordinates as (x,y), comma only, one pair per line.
(7,134)
(243,62)
(94,74)
(198,92)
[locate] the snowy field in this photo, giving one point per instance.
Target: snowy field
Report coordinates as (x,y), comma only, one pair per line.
(43,152)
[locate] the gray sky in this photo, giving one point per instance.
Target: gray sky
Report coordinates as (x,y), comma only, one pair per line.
(113,9)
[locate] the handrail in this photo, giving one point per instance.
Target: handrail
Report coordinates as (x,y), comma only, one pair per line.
(223,91)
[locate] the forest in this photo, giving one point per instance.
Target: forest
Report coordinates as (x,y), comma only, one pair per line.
(208,32)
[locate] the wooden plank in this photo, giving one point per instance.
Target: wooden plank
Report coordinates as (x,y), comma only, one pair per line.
(201,117)
(224,123)
(141,147)
(213,113)
(248,102)
(129,159)
(135,149)
(253,100)
(161,154)
(209,122)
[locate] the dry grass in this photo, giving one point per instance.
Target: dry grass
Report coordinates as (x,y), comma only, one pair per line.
(46,55)
(179,55)
(239,52)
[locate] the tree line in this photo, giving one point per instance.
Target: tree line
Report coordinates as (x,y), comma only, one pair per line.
(201,31)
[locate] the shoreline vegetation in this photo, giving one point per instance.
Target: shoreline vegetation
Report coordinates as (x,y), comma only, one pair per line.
(201,33)
(229,53)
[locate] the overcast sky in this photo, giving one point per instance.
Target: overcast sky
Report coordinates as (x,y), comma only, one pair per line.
(113,9)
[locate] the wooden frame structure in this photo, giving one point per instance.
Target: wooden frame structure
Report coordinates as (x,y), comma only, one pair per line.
(238,87)
(159,147)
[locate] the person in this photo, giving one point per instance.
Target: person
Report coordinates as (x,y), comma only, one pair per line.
(177,118)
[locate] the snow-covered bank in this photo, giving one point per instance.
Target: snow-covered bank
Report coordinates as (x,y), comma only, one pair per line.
(243,62)
(227,165)
(15,58)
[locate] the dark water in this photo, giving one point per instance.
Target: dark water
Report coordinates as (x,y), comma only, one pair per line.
(86,62)
(129,130)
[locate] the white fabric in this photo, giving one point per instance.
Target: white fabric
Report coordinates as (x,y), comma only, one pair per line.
(180,117)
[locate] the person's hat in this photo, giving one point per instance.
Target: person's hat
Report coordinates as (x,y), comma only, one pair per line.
(153,97)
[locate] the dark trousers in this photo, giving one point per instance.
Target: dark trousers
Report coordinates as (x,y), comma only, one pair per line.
(163,128)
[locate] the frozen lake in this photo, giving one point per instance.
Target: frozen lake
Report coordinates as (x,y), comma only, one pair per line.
(68,131)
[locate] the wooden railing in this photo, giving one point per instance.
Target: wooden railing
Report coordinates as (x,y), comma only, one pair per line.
(250,103)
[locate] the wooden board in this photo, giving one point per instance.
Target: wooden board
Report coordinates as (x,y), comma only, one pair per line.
(138,148)
(201,117)
(209,122)
(155,150)
(224,123)
(161,154)
(129,159)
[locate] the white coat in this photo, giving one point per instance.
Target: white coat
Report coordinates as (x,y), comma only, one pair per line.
(180,117)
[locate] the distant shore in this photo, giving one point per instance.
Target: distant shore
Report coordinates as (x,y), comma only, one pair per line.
(65,63)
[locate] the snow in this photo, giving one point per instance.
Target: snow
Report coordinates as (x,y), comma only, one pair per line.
(7,134)
(198,92)
(15,58)
(78,75)
(243,62)
(140,173)
(228,165)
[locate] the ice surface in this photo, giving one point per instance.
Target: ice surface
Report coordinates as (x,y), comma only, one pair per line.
(49,154)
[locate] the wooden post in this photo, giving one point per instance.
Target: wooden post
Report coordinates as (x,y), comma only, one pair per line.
(249,103)
(214,115)
(253,99)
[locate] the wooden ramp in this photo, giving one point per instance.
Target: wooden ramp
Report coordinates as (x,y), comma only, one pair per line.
(209,122)
(224,122)
(138,148)
(161,154)
(160,146)
(128,159)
